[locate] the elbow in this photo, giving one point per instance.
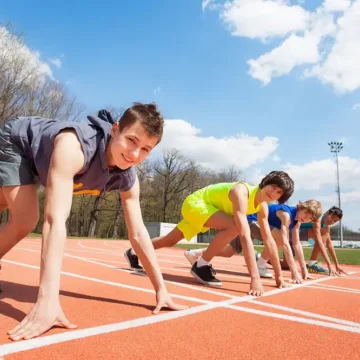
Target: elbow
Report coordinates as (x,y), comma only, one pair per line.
(54,222)
(138,235)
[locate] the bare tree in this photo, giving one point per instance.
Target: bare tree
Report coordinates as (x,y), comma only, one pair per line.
(174,171)
(15,75)
(50,99)
(27,86)
(230,174)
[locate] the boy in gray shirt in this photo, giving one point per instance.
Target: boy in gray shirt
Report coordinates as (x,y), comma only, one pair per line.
(88,157)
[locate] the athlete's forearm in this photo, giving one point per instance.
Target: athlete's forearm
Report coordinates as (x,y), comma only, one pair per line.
(52,253)
(323,250)
(332,251)
(249,255)
(247,245)
(289,257)
(299,252)
(287,249)
(274,256)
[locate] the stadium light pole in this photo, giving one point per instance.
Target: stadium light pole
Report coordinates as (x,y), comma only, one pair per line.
(335,147)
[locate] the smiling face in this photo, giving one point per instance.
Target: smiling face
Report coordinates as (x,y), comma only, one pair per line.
(130,146)
(271,193)
(331,219)
(304,216)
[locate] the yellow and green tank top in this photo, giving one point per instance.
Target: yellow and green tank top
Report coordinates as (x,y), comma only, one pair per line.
(218,196)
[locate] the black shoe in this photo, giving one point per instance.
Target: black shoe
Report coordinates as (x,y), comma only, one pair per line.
(205,274)
(133,261)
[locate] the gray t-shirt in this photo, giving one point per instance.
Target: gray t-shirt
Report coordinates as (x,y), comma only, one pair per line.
(36,136)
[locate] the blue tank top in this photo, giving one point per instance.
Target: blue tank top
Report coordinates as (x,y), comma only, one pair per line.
(273,219)
(36,135)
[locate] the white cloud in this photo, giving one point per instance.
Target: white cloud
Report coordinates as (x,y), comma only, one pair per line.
(350,197)
(317,180)
(13,48)
(336,5)
(254,175)
(341,68)
(241,151)
(57,62)
(263,18)
(356,106)
(205,4)
(276,158)
(316,174)
(326,38)
(293,51)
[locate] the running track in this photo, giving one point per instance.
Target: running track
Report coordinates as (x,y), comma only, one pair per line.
(112,307)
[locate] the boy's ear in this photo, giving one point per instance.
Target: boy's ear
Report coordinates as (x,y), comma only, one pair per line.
(114,128)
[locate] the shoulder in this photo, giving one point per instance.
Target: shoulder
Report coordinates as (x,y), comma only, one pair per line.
(283,214)
(239,187)
(67,137)
(238,191)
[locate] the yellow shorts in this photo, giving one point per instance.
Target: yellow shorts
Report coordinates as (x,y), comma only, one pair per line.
(196,212)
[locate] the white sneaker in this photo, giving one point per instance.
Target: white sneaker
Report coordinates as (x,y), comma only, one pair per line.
(191,257)
(265,273)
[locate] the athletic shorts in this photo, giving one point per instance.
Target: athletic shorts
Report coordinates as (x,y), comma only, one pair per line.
(195,212)
(14,166)
(255,233)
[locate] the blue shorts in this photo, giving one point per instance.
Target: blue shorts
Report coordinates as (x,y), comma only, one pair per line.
(15,168)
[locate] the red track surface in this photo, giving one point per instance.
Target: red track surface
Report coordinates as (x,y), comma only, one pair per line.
(112,307)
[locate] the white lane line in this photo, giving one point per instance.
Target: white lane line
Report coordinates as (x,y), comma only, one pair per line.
(99,330)
(237,277)
(296,319)
(112,283)
(338,290)
(351,277)
(83,333)
(191,287)
(338,287)
(163,257)
(306,313)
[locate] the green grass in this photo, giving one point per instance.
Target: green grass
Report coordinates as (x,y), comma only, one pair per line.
(345,256)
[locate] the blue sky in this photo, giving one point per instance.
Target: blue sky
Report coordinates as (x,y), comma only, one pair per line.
(193,58)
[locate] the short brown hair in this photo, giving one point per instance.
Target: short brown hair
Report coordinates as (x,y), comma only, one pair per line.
(313,207)
(283,181)
(336,212)
(149,117)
